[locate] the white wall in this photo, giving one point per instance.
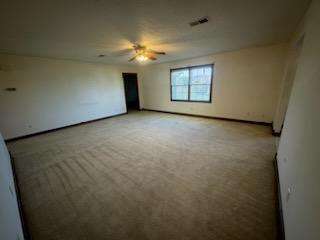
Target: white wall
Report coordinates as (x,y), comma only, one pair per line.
(294,50)
(286,87)
(54,93)
(10,224)
(299,149)
(246,84)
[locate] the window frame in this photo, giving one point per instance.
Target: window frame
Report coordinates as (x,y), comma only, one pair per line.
(189,69)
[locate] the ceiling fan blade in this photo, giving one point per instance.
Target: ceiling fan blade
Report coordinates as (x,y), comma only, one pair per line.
(120,53)
(133,58)
(152,58)
(155,52)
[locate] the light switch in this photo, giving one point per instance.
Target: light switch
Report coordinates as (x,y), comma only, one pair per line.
(11,191)
(289,193)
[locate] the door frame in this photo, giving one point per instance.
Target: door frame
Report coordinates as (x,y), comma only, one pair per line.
(124,89)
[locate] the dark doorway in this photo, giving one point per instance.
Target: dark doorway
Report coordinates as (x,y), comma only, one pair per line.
(130,81)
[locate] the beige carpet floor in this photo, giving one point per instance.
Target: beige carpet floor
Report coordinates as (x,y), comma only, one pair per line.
(149,175)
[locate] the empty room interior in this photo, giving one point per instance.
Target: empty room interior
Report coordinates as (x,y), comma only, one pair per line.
(153,120)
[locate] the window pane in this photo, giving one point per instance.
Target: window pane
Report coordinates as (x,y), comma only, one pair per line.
(180,77)
(192,83)
(179,92)
(200,75)
(200,92)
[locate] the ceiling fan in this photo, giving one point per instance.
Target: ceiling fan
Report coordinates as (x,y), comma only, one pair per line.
(141,53)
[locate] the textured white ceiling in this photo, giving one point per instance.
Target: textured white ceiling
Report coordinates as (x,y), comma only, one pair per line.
(83,29)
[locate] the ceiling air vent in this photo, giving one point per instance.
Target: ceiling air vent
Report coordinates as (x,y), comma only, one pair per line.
(199,21)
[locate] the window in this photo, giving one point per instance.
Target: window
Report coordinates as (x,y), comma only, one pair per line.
(192,84)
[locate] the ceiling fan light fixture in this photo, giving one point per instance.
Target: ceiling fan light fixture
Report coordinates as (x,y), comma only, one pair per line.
(142,58)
